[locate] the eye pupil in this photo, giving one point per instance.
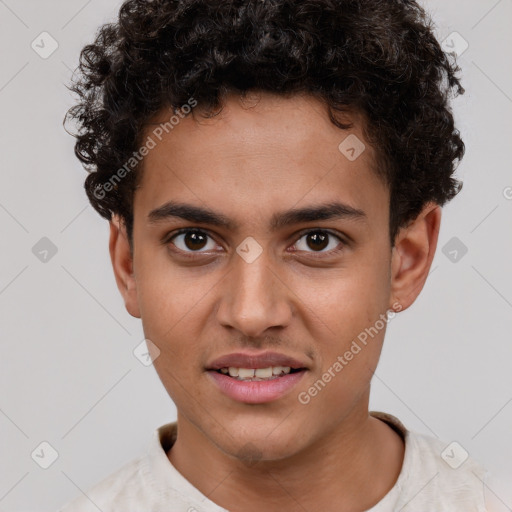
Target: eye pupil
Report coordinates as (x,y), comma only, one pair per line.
(319,239)
(195,240)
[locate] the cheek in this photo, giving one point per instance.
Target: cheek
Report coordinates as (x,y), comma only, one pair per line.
(170,321)
(167,295)
(169,306)
(345,303)
(345,314)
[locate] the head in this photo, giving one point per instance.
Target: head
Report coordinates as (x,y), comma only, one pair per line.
(307,148)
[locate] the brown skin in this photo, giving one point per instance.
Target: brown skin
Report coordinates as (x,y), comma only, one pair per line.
(251,161)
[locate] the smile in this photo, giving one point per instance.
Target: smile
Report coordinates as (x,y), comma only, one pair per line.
(257,374)
(247,386)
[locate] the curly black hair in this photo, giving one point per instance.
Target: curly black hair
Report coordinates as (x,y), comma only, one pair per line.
(380,58)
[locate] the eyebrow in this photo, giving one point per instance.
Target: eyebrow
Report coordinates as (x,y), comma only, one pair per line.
(200,215)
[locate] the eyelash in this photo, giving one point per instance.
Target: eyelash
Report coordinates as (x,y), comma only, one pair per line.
(192,254)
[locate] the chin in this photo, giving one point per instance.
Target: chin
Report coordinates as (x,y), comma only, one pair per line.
(258,447)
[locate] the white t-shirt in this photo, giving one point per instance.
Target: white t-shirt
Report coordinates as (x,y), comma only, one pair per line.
(435,477)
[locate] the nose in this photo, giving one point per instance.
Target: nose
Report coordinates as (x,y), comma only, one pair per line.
(254,298)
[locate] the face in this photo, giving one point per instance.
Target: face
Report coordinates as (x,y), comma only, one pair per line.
(255,235)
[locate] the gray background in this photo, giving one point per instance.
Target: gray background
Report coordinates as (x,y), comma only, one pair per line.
(68,375)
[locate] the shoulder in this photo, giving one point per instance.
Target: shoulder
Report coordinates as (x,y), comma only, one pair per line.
(436,475)
(118,491)
(443,474)
(149,482)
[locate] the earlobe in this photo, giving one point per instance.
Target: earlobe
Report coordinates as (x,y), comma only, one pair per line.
(412,256)
(122,264)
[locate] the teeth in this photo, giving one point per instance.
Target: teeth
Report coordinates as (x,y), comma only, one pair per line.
(256,373)
(246,373)
(263,373)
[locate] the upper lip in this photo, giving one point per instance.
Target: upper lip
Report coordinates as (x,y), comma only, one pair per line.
(254,360)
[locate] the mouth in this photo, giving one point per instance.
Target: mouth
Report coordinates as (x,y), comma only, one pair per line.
(256,378)
(256,390)
(258,374)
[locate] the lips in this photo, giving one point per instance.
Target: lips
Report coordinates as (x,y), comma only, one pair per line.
(253,390)
(256,392)
(255,360)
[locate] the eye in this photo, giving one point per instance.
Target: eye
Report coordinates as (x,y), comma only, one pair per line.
(192,240)
(318,240)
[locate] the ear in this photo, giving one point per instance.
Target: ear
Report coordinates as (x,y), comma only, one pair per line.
(123,265)
(412,256)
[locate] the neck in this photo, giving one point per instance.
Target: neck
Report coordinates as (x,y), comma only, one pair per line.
(354,466)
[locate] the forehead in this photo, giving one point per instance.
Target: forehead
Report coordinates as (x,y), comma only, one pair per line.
(259,154)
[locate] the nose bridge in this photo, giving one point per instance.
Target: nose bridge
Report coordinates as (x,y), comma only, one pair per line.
(253,298)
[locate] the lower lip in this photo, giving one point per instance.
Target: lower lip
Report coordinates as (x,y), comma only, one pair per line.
(256,392)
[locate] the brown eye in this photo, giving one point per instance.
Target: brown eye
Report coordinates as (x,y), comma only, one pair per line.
(192,240)
(317,241)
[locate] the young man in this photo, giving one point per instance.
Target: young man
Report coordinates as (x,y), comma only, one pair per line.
(273,172)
